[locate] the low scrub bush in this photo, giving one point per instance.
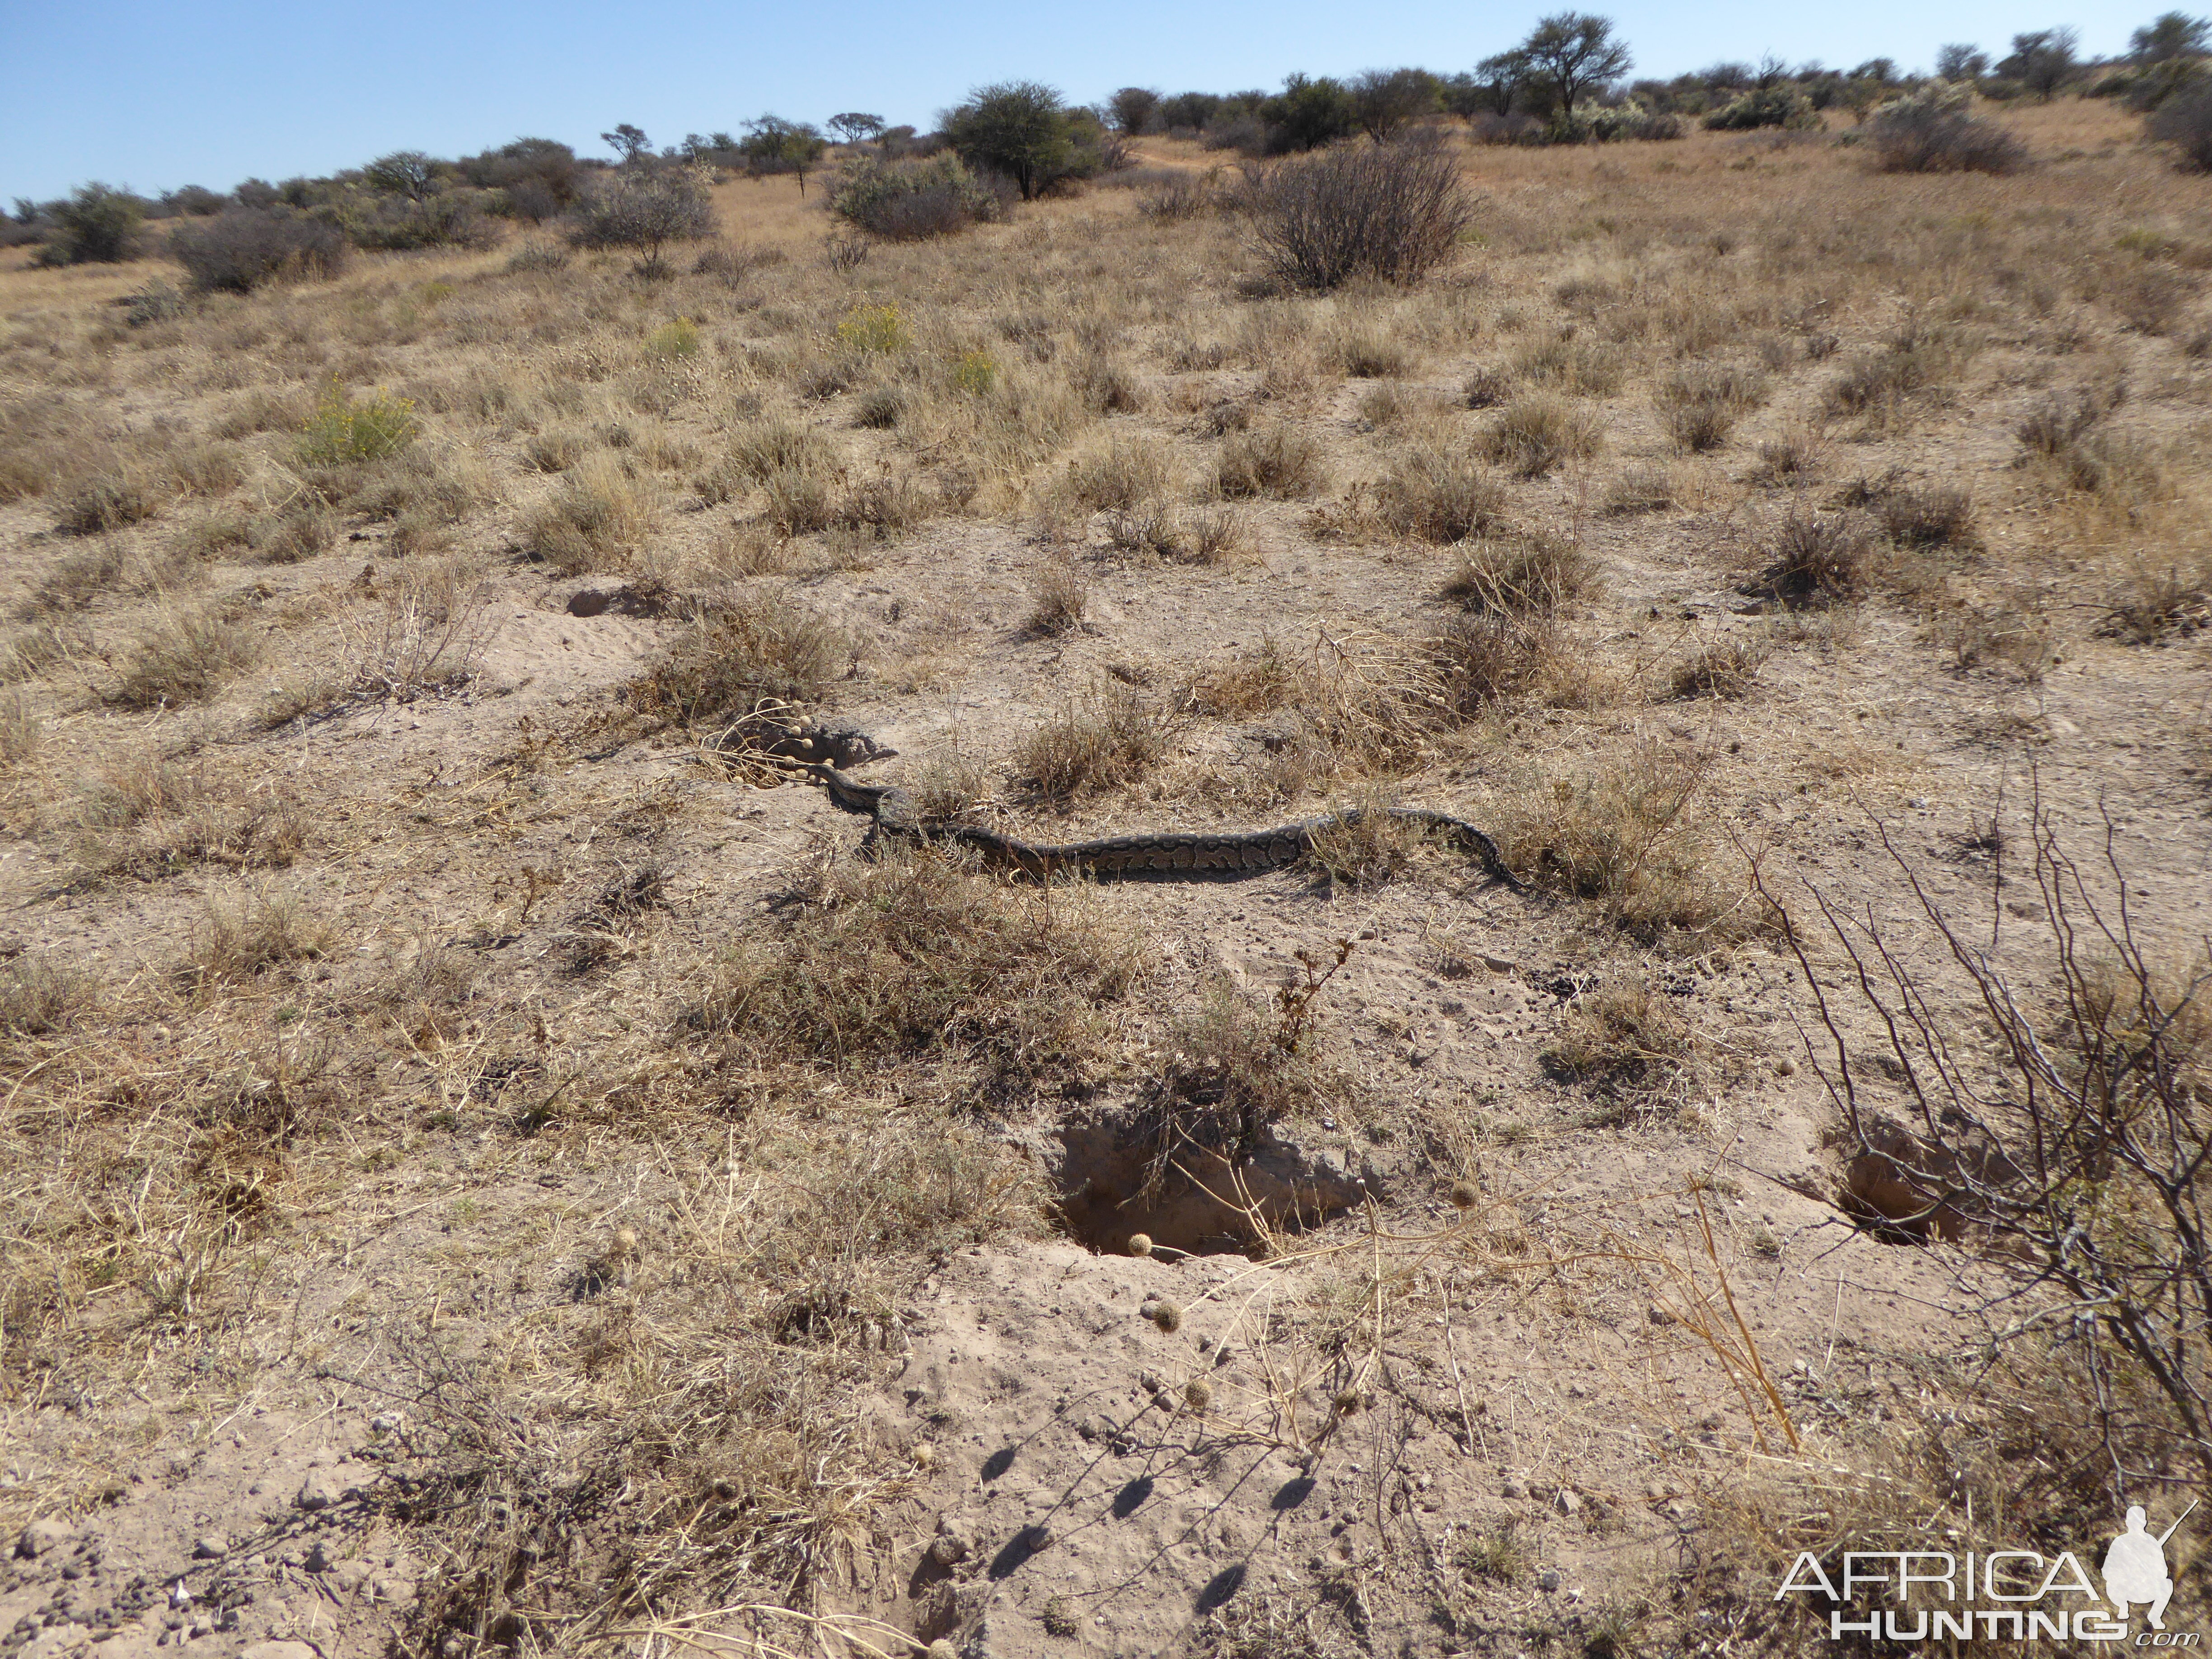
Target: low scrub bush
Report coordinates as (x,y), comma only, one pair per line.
(1924,136)
(880,329)
(245,248)
(1391,211)
(94,226)
(643,208)
(2184,121)
(393,225)
(909,201)
(1765,106)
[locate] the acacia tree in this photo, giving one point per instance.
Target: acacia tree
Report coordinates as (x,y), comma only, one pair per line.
(773,144)
(856,127)
(643,208)
(1133,109)
(627,141)
(1383,100)
(1500,78)
(1959,61)
(403,172)
(2042,60)
(1019,128)
(1572,54)
(2170,35)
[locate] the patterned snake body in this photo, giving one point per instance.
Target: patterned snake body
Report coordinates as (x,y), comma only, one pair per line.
(1162,856)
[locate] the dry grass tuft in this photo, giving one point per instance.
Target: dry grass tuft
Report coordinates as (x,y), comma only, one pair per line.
(111,500)
(1369,849)
(1569,363)
(1537,436)
(244,934)
(1439,493)
(738,656)
(1275,459)
(1123,476)
(1106,740)
(1518,574)
(597,519)
(1058,597)
(1789,462)
(911,957)
(187,656)
(1881,387)
(1624,1039)
(1700,406)
(39,996)
(1725,669)
(1815,558)
(1639,489)
(1630,838)
(1495,656)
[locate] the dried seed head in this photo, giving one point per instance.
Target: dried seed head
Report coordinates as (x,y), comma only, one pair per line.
(924,1456)
(1198,1394)
(1167,1316)
(1140,1244)
(626,1241)
(1463,1196)
(1348,1403)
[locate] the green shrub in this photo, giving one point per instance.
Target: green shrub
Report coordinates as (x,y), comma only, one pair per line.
(1932,134)
(874,328)
(909,201)
(643,208)
(238,251)
(673,340)
(345,430)
(1765,106)
(975,373)
(95,225)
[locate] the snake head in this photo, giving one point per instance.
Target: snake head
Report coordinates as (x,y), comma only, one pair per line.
(844,749)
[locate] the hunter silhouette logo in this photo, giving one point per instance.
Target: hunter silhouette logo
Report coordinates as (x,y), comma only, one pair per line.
(2019,1595)
(2135,1567)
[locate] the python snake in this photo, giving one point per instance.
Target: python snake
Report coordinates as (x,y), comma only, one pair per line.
(1160,856)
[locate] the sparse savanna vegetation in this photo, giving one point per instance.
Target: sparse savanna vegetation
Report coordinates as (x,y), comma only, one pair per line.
(498,1156)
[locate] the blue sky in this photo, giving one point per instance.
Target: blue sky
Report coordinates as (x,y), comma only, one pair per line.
(155,95)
